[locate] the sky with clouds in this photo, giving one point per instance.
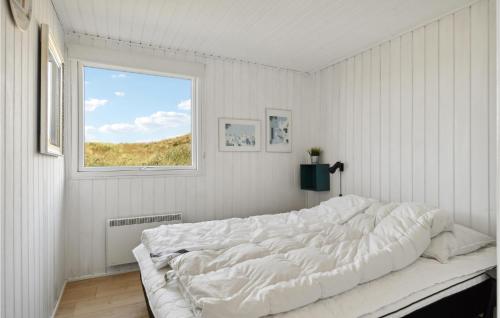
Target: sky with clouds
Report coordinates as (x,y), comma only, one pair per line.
(133,107)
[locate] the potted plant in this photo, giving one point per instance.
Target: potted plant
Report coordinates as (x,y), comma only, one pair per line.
(314,153)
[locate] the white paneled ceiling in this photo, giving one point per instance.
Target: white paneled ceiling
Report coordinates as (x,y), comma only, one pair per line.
(303,35)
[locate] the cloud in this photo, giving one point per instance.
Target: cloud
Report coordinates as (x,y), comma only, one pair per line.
(162,119)
(120,75)
(93,103)
(120,94)
(117,128)
(185,104)
(89,130)
(154,122)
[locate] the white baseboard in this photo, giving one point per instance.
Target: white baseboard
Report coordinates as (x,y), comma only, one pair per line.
(61,293)
(122,269)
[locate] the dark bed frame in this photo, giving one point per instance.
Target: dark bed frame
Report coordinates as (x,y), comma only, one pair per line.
(476,301)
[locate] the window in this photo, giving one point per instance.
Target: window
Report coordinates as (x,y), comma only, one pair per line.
(134,120)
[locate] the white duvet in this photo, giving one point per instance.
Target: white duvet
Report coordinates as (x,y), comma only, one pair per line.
(269,264)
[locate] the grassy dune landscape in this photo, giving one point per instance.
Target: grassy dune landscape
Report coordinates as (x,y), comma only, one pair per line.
(168,152)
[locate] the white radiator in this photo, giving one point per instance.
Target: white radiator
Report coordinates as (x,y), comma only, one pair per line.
(123,235)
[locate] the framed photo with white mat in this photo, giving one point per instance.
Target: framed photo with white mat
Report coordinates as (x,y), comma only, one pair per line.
(278,130)
(239,134)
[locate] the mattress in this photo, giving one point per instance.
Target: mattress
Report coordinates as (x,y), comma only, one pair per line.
(393,295)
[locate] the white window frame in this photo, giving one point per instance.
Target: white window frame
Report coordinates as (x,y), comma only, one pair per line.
(92,172)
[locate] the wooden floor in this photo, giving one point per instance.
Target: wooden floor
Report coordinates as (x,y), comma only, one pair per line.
(105,297)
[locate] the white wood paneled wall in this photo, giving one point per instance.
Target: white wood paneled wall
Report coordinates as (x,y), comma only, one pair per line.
(232,184)
(31,185)
(414,118)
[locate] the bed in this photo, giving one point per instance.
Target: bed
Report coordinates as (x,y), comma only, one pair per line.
(415,287)
(460,288)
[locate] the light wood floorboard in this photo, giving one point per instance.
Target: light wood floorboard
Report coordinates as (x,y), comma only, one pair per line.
(106,297)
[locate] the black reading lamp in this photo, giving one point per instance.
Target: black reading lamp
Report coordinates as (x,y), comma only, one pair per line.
(338,165)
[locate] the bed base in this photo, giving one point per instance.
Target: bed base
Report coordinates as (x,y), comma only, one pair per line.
(150,312)
(476,301)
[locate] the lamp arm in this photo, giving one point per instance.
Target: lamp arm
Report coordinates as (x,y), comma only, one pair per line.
(337,165)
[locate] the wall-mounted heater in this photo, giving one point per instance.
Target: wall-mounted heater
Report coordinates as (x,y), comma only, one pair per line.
(123,235)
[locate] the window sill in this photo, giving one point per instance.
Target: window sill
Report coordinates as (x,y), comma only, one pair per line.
(93,174)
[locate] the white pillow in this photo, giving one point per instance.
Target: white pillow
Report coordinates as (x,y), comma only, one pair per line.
(462,240)
(441,222)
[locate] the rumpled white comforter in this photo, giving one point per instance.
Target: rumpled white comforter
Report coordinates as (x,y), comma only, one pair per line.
(268,264)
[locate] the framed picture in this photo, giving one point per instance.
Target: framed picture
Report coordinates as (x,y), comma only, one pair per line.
(51,97)
(278,130)
(239,135)
(21,12)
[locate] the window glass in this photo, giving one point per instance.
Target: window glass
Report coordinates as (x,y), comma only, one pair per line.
(136,119)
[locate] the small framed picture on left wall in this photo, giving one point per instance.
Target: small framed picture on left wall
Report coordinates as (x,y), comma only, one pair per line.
(51,95)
